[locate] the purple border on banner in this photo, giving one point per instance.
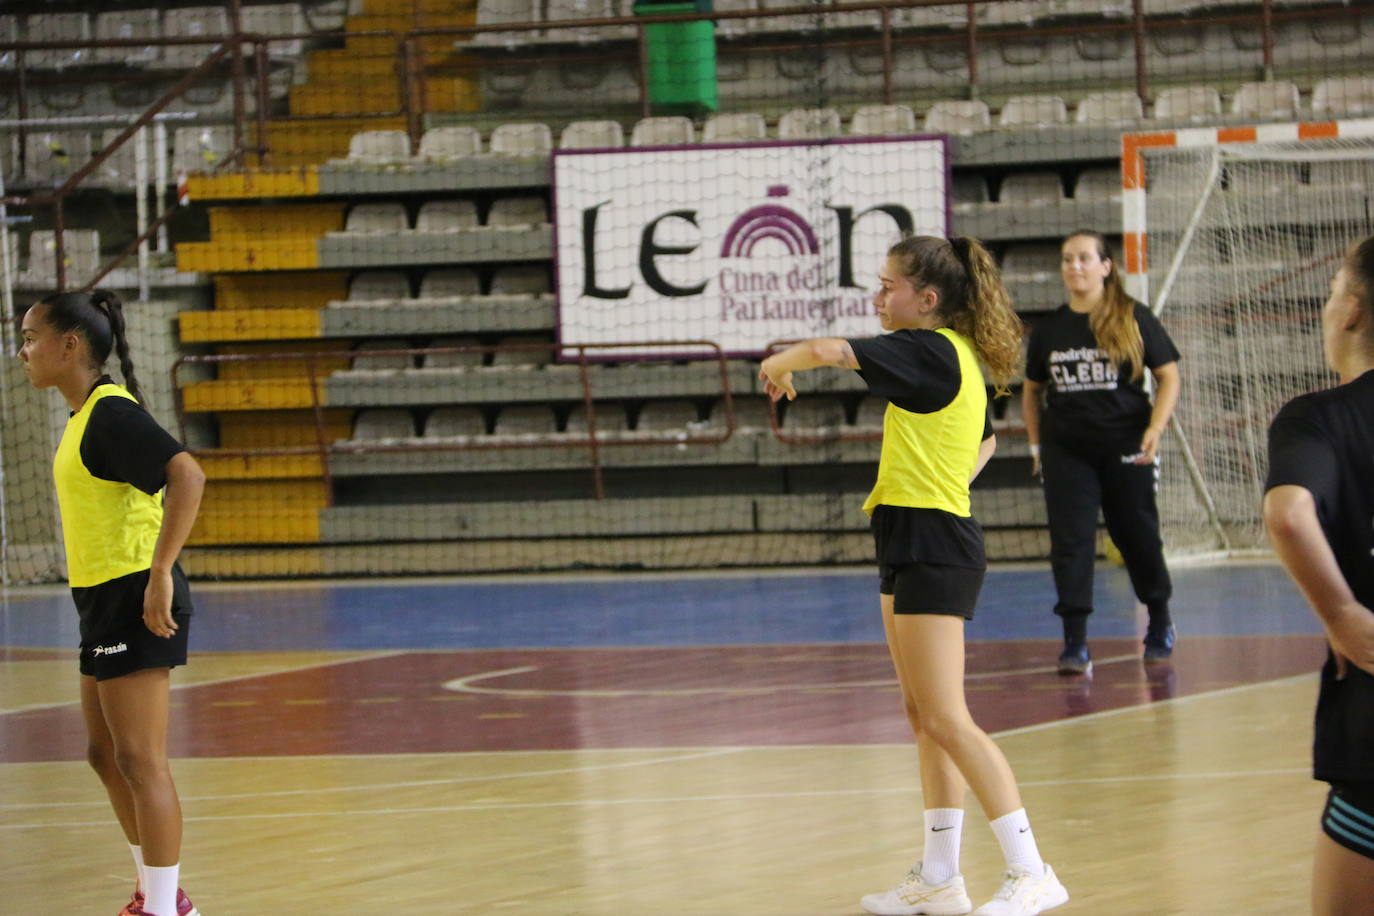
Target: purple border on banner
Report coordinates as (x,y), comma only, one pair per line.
(559,357)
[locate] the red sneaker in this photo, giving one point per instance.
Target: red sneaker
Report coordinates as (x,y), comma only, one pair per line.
(135,905)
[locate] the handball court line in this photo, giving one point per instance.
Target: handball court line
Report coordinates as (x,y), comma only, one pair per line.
(467,684)
(1085,719)
(228,679)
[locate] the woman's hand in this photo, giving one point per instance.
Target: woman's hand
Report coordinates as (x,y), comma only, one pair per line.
(776,384)
(1149,445)
(1351,634)
(157,604)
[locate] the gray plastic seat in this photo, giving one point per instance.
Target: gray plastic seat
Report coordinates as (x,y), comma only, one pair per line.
(374,285)
(381,363)
(380,424)
(529,139)
(809,124)
(1032,111)
(377,219)
(592,135)
(468,360)
(669,130)
(1188,103)
(450,282)
(443,144)
(525,420)
(446,216)
(883,121)
(1032,188)
(449,422)
(958,117)
(734,127)
(539,355)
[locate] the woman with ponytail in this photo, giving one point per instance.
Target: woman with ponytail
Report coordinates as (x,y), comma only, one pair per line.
(128,494)
(1095,442)
(945,308)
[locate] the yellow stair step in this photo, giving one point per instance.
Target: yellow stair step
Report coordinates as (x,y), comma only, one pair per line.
(231,495)
(256,526)
(260,467)
(282,428)
(312,290)
(249,324)
(250,394)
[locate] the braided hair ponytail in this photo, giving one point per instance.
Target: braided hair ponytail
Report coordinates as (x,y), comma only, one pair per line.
(98,317)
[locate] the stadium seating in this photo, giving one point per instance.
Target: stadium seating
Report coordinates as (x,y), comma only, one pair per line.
(377,219)
(468,360)
(883,121)
(1032,188)
(450,282)
(1344,96)
(444,144)
(374,285)
(380,425)
(736,127)
(1032,111)
(669,130)
(193,22)
(592,135)
(1274,99)
(958,117)
(58,27)
(532,139)
(444,422)
(809,124)
(1187,103)
(126,25)
(1109,108)
(446,216)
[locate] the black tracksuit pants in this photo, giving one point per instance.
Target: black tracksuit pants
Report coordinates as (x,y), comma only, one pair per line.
(1082,476)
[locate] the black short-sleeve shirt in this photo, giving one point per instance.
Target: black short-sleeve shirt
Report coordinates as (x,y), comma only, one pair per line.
(125,444)
(918,370)
(1085,392)
(1324,443)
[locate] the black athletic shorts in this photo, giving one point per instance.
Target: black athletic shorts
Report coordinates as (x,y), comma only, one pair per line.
(114,639)
(931,588)
(930,561)
(1349,816)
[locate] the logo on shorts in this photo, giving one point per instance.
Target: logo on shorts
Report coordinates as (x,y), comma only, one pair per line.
(110,650)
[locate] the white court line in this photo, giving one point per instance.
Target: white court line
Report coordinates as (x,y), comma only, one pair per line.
(668,799)
(367,657)
(913,790)
(565,771)
(466,684)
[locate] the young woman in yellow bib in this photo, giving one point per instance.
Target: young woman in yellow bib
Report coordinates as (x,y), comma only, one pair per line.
(128,494)
(945,309)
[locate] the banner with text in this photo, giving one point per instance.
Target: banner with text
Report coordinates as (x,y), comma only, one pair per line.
(739,245)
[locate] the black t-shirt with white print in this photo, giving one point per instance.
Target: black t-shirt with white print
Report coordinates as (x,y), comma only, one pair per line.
(1324,443)
(1085,392)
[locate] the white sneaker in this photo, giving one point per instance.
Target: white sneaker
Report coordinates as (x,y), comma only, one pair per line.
(1025,894)
(914,896)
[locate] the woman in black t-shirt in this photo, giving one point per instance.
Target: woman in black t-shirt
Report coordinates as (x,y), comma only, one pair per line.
(1096,443)
(1318,504)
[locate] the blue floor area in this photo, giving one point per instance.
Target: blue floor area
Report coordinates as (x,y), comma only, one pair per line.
(730,609)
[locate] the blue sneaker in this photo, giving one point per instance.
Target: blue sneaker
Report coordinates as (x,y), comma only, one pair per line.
(1075,659)
(1159,643)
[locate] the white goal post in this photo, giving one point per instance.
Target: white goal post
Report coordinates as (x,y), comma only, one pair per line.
(1231,234)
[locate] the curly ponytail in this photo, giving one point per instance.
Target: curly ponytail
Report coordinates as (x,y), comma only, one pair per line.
(973,299)
(98,317)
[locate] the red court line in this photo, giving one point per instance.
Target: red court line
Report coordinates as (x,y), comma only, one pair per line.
(669,697)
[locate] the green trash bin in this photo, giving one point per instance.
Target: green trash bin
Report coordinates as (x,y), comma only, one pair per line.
(682,58)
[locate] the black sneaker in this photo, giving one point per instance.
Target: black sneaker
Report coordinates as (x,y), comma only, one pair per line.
(1075,659)
(1159,643)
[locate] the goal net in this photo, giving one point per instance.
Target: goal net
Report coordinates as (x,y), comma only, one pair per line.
(1232,237)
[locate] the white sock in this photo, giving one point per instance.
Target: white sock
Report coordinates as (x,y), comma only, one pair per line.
(138,864)
(944,830)
(160,890)
(1018,843)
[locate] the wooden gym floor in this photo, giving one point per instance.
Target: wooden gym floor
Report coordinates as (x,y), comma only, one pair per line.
(694,745)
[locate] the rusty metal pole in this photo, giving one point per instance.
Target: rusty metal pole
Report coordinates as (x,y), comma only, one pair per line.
(1142,88)
(263,68)
(971,10)
(886,14)
(1267,29)
(59,249)
(238,71)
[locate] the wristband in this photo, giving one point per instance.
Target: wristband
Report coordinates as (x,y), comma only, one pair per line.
(1035,449)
